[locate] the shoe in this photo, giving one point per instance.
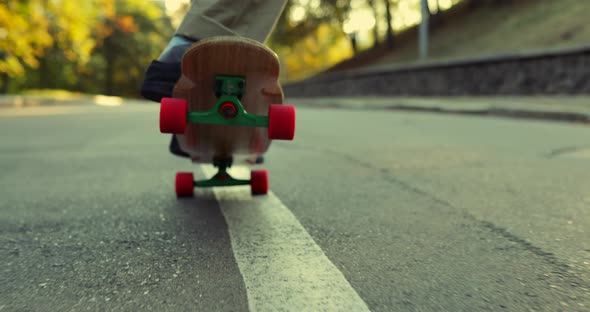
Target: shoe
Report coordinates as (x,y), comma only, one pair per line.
(159,80)
(162,74)
(175,148)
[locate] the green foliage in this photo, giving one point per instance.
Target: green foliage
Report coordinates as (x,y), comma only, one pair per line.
(136,34)
(313,42)
(330,30)
(99,46)
(317,13)
(23,36)
(104,46)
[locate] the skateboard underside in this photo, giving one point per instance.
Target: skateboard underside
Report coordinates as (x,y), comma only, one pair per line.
(250,63)
(226,108)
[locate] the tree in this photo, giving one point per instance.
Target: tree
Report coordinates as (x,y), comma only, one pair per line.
(23,38)
(309,36)
(373,5)
(90,46)
(389,36)
(338,11)
(133,35)
(71,25)
(327,12)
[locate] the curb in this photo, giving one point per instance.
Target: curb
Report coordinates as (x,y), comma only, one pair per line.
(558,72)
(569,109)
(575,109)
(22,101)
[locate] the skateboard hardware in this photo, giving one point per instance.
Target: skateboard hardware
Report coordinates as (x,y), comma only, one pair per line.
(185,182)
(228,110)
(222,177)
(216,115)
(230,85)
(212,94)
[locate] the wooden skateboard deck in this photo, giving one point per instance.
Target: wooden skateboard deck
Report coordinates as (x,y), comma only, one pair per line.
(228,56)
(226,108)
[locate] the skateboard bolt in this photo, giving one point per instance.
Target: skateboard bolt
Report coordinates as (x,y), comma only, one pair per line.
(228,110)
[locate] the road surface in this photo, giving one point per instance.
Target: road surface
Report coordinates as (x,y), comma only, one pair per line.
(368,210)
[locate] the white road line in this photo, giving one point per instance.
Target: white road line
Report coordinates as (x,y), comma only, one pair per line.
(282,267)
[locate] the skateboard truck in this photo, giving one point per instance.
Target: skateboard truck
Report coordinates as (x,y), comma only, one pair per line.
(228,111)
(230,85)
(185,182)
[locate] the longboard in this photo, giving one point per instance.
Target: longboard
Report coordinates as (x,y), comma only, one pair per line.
(226,107)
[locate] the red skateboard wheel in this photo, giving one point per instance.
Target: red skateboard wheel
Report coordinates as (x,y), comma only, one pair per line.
(259,182)
(173,115)
(281,122)
(184,184)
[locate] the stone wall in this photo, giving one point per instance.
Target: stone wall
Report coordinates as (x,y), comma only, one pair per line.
(546,72)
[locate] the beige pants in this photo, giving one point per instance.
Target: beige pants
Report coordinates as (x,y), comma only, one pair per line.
(254,19)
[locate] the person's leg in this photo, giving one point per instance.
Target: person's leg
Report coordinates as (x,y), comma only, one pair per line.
(254,19)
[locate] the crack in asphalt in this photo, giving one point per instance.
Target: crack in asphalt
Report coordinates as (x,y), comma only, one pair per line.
(547,256)
(557,152)
(560,267)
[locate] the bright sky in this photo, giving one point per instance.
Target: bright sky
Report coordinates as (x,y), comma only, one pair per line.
(173,5)
(361,18)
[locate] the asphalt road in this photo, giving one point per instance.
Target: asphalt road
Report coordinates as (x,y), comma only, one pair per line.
(382,210)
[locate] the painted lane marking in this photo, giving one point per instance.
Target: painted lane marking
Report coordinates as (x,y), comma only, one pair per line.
(281,265)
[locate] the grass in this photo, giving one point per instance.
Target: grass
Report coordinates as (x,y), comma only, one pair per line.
(522,26)
(51,93)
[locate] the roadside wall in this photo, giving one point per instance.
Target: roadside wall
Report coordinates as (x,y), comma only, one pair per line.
(546,72)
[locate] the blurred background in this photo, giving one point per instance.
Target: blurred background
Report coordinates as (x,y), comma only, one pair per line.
(104,46)
(440,163)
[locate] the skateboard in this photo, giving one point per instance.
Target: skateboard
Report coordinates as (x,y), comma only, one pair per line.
(226,108)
